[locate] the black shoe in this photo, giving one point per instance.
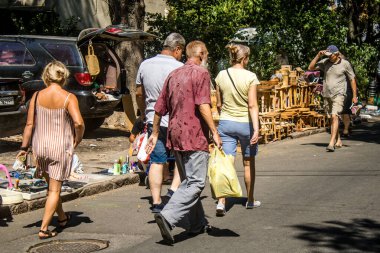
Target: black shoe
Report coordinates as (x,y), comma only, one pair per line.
(164,227)
(157,208)
(204,229)
(170,193)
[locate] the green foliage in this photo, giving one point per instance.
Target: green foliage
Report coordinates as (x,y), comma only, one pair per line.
(41,23)
(296,28)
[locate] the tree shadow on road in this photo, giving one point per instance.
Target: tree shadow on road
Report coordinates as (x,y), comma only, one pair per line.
(357,235)
(366,132)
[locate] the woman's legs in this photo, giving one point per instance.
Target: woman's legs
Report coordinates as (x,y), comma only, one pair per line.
(249,176)
(53,204)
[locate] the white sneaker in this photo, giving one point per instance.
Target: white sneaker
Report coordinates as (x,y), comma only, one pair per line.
(251,205)
(220,210)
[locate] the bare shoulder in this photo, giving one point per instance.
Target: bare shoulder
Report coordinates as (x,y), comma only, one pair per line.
(71,98)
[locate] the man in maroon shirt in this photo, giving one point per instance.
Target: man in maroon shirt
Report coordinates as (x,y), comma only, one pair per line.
(186,97)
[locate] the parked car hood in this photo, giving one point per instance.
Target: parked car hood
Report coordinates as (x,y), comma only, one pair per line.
(116,33)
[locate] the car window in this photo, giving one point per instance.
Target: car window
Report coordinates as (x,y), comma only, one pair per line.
(68,54)
(15,53)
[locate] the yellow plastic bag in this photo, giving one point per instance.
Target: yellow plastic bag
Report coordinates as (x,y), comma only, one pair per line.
(222,176)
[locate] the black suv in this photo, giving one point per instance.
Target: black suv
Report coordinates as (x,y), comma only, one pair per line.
(23,58)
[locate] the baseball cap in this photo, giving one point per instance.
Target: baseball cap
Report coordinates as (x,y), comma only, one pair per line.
(331,50)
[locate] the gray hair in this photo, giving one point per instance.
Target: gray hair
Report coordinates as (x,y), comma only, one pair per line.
(174,40)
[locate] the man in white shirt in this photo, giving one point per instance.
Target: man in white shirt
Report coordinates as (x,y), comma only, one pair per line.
(149,82)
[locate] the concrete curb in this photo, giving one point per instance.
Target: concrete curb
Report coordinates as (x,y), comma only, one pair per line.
(87,190)
(296,135)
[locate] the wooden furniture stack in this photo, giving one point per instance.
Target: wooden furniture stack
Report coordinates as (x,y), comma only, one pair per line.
(287,105)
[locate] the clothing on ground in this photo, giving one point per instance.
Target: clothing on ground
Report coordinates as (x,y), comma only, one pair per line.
(234,107)
(186,88)
(152,74)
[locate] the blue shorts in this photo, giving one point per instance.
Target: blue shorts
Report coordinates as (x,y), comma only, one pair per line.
(160,153)
(231,132)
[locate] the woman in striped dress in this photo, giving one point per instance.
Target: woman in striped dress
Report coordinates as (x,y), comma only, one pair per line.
(55,127)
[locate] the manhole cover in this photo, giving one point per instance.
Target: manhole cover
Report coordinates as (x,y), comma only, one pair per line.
(69,246)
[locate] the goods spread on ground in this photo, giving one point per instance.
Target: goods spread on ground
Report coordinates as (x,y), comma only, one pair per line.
(289,102)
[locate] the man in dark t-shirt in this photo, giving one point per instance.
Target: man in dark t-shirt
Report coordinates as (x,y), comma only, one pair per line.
(186,97)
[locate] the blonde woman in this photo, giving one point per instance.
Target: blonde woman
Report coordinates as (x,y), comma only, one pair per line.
(239,118)
(55,127)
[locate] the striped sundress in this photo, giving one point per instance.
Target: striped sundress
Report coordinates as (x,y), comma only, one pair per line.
(53,141)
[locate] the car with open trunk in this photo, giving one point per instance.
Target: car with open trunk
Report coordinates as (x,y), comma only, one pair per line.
(23,58)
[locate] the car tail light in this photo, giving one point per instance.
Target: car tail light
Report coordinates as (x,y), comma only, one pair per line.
(83,78)
(114,30)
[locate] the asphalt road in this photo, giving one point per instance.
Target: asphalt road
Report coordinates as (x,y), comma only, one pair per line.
(312,201)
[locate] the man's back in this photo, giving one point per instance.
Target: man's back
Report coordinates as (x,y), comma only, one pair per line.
(185,89)
(152,74)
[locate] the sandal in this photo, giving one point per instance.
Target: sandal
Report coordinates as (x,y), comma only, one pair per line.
(48,233)
(66,221)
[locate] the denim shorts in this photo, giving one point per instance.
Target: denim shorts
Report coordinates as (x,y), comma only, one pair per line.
(231,132)
(160,152)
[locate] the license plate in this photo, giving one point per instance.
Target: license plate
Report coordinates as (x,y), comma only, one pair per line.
(7,101)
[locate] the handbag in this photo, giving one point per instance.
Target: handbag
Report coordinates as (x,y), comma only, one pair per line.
(236,88)
(92,61)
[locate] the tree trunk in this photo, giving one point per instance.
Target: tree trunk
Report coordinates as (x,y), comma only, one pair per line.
(131,13)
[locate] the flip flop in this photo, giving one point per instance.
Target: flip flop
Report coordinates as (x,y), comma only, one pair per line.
(67,220)
(48,233)
(330,148)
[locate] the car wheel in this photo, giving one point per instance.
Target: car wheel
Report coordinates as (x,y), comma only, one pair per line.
(93,123)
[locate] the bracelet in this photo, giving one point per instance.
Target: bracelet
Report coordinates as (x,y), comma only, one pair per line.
(24,148)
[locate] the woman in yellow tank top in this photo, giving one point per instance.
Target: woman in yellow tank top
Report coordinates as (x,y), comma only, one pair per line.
(239,118)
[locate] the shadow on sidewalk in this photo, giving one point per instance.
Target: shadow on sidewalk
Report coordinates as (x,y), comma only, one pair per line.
(76,220)
(358,235)
(5,216)
(230,202)
(366,132)
(216,232)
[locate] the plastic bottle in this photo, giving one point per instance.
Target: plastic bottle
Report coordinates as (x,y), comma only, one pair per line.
(116,168)
(124,168)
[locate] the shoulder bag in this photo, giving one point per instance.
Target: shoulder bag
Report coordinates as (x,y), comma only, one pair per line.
(236,88)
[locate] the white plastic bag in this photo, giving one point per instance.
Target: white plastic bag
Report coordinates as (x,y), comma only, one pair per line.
(76,165)
(142,156)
